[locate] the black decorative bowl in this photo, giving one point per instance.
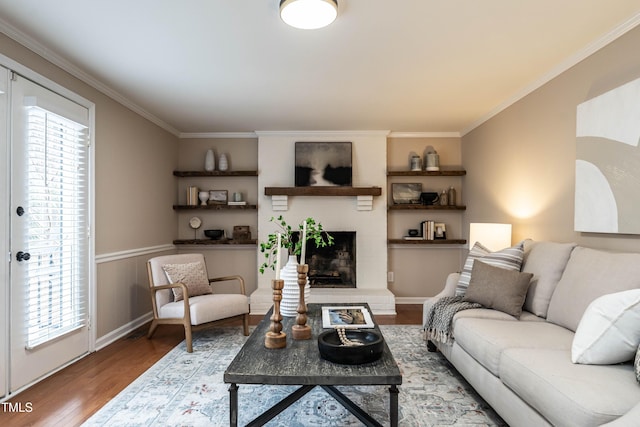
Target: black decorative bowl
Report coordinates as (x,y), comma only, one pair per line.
(331,347)
(214,234)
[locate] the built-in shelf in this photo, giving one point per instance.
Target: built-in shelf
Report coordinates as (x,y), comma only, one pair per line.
(215,242)
(214,207)
(441,172)
(417,207)
(427,242)
(188,174)
(322,191)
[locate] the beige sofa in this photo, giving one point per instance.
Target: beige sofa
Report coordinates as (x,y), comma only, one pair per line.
(523,366)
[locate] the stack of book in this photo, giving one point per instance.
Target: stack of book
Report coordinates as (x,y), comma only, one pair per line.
(427,231)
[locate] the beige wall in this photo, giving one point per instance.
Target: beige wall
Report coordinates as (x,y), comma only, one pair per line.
(521,163)
(134,160)
(420,271)
(242,154)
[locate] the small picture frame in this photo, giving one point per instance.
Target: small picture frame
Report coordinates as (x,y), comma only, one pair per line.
(404,193)
(439,231)
(350,317)
(218,197)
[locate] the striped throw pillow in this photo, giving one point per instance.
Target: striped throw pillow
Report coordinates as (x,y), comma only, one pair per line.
(508,258)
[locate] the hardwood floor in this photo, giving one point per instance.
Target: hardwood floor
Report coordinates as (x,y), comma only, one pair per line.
(71,396)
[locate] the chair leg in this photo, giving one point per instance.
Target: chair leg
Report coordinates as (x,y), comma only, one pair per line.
(245,324)
(152,328)
(188,338)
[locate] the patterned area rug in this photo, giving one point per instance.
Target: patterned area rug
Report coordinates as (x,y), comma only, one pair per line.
(186,389)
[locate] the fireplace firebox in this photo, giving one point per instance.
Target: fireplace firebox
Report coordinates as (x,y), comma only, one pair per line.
(333,266)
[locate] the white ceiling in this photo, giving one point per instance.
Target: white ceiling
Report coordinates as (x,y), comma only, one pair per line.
(198,66)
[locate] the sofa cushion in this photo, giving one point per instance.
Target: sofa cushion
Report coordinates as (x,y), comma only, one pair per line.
(589,274)
(192,274)
(509,258)
(547,261)
(567,394)
(486,339)
(498,288)
(609,331)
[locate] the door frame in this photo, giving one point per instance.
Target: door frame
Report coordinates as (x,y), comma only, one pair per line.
(5,185)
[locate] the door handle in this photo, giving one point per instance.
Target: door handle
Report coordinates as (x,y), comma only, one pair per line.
(23,256)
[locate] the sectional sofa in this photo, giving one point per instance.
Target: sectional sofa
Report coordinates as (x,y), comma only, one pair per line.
(567,359)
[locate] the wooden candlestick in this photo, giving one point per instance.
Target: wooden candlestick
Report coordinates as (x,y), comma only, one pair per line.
(302,331)
(275,338)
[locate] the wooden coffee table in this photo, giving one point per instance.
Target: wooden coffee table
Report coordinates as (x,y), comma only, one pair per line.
(300,364)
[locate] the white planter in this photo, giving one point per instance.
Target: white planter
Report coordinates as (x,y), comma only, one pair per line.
(209,161)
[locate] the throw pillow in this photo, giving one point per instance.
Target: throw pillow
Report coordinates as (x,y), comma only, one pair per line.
(498,288)
(509,258)
(637,364)
(608,332)
(192,274)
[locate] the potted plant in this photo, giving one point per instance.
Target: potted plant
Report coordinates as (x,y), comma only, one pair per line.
(290,239)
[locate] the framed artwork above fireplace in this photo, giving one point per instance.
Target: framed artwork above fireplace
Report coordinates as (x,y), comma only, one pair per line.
(324,164)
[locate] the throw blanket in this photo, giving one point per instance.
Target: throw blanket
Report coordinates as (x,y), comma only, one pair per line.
(440,317)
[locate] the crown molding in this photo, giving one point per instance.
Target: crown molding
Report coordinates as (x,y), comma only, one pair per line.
(424,135)
(36,47)
(217,135)
(323,133)
(571,61)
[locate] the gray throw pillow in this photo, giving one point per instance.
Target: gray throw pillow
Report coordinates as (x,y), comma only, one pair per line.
(192,274)
(498,288)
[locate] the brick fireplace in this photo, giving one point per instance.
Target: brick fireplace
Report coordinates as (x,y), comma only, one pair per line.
(367,220)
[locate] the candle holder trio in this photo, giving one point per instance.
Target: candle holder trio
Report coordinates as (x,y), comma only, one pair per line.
(275,338)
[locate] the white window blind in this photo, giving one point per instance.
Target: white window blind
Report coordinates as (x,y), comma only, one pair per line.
(57,206)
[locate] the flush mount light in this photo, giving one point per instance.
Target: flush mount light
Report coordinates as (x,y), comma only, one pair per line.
(308,14)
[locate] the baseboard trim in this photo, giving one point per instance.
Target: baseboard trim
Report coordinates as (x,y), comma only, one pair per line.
(410,300)
(115,335)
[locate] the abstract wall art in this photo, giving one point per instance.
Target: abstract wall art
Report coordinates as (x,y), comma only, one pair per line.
(607,193)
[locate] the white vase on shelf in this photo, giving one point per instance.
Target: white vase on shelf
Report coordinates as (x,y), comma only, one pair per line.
(204,197)
(209,161)
(291,290)
(223,162)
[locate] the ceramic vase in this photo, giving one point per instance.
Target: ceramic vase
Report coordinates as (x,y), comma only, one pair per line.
(203,196)
(291,290)
(223,162)
(209,161)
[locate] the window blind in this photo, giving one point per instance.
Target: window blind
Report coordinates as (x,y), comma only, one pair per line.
(57,226)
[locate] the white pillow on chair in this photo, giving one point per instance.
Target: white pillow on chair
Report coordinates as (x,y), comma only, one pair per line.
(192,274)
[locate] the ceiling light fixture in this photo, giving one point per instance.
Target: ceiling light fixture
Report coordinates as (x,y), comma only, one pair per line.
(308,14)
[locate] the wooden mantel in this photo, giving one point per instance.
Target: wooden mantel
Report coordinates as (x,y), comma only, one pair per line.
(280,195)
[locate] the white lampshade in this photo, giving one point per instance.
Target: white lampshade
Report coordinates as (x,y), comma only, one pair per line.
(308,14)
(492,236)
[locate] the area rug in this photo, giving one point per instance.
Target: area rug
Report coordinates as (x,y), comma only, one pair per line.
(187,389)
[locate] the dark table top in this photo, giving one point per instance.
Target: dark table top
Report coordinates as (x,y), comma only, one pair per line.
(299,363)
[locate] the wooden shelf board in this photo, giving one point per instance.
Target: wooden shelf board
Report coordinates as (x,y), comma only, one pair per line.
(441,172)
(215,207)
(215,242)
(417,207)
(427,242)
(322,191)
(186,174)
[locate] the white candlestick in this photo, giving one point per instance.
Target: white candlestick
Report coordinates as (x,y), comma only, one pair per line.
(278,257)
(304,242)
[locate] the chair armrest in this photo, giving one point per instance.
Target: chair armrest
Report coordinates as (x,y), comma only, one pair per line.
(155,289)
(228,278)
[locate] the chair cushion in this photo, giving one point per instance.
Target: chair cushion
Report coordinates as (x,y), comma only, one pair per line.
(509,258)
(546,260)
(498,288)
(192,274)
(207,308)
(608,331)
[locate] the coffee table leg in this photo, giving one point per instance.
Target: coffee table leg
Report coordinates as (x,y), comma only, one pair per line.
(393,405)
(233,405)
